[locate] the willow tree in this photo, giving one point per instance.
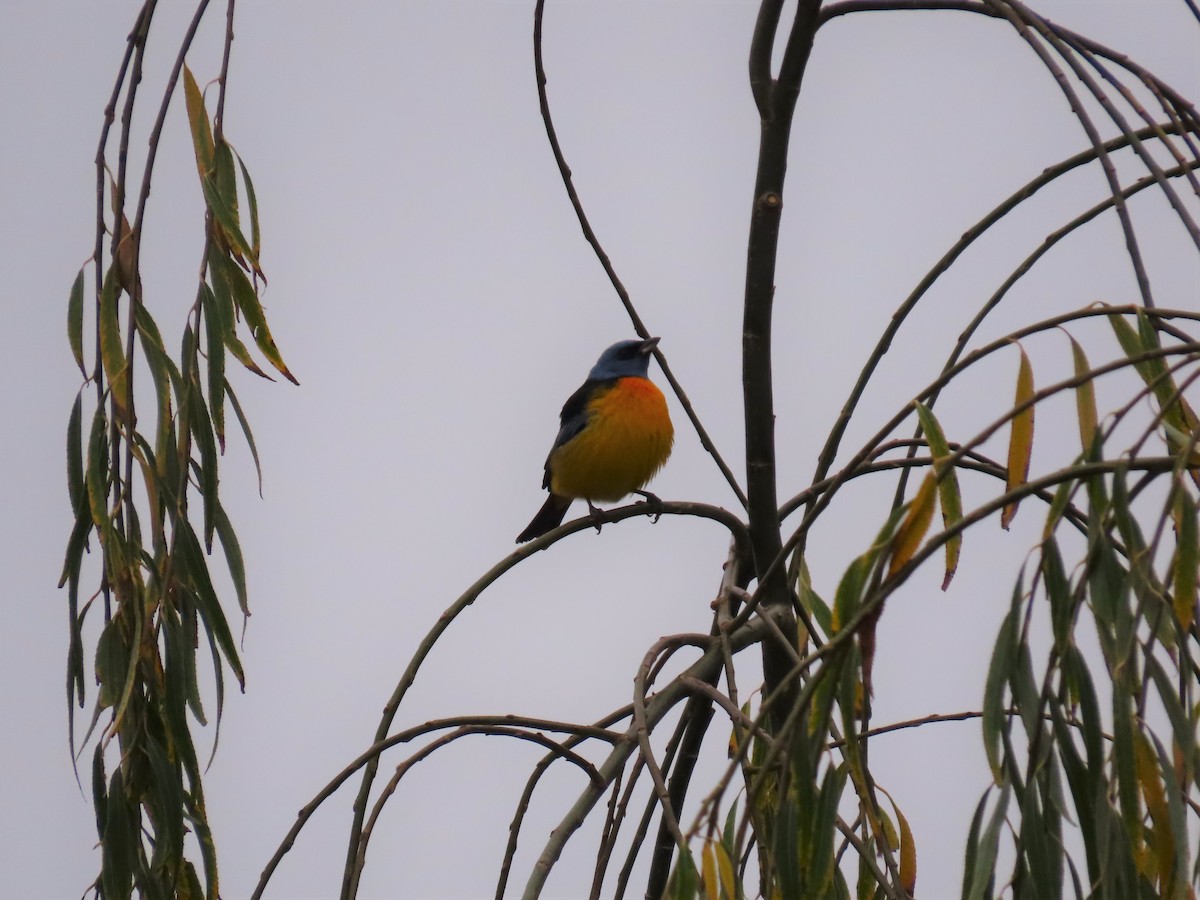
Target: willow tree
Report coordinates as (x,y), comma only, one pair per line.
(1091,742)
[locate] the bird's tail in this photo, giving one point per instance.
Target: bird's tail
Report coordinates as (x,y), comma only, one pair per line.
(549,516)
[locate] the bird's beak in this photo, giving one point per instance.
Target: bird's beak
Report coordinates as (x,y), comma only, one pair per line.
(648,346)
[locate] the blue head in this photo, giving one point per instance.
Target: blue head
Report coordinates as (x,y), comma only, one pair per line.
(624,359)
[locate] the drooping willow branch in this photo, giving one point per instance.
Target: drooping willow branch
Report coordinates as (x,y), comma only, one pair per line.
(717,514)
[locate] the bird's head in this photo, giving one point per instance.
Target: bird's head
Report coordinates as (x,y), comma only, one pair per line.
(624,359)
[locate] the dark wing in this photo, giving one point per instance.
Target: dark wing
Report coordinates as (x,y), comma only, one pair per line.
(574,417)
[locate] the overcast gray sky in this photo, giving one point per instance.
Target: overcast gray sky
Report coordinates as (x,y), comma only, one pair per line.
(431,291)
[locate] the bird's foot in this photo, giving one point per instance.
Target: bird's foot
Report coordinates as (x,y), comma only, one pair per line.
(596,513)
(656,505)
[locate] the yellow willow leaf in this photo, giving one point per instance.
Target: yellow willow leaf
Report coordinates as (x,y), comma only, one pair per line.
(1187,558)
(908,848)
(725,868)
(1161,838)
(1085,398)
(708,872)
(949,494)
(1020,441)
(202,139)
(916,522)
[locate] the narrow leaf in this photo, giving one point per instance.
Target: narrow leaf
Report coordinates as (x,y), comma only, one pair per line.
(217,325)
(949,494)
(226,231)
(75,482)
(984,869)
(685,880)
(111,352)
(247,302)
(725,871)
(1004,660)
(252,206)
(233,556)
(202,140)
(194,571)
(914,526)
(225,180)
(1020,442)
(1085,398)
(908,848)
(241,417)
(202,431)
(75,322)
(1187,558)
(118,843)
(708,871)
(1150,780)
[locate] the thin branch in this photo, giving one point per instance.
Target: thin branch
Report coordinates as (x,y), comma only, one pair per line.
(558,750)
(658,707)
(737,529)
(372,754)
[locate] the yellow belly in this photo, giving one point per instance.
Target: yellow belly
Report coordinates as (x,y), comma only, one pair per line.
(627,439)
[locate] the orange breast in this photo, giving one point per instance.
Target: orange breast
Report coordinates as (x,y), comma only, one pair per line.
(627,439)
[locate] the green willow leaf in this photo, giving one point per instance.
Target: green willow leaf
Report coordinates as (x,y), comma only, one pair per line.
(949,493)
(1183,726)
(1058,592)
(217,326)
(788,866)
(1124,759)
(821,856)
(225,180)
(252,207)
(75,322)
(226,224)
(222,291)
(251,309)
(194,572)
(818,610)
(166,801)
(1081,784)
(119,841)
(685,881)
(1085,398)
(241,417)
(1000,673)
(233,556)
(99,790)
(76,486)
(1187,558)
(112,354)
(984,870)
(208,474)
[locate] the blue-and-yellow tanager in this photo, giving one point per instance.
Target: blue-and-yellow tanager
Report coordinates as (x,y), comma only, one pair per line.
(614,434)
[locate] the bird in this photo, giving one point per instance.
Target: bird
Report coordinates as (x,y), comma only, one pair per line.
(614,435)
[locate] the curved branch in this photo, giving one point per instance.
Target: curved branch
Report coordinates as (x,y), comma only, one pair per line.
(558,750)
(372,753)
(726,518)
